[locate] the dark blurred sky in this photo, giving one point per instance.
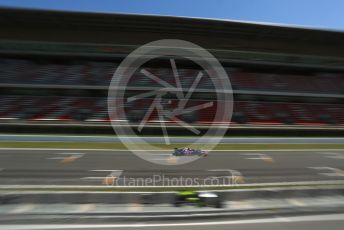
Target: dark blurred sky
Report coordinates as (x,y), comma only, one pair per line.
(311,13)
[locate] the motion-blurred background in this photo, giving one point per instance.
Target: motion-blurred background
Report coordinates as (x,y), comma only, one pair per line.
(284,147)
(56,68)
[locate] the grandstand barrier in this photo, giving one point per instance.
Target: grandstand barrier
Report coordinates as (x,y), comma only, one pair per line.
(233,130)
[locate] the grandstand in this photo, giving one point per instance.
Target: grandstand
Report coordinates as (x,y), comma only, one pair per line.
(56,67)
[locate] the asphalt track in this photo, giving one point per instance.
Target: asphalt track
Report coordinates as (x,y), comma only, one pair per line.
(311,222)
(91,167)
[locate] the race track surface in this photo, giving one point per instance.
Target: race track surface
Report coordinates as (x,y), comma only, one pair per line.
(311,222)
(91,167)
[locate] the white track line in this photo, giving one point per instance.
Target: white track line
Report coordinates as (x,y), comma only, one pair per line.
(22,208)
(332,172)
(333,155)
(256,156)
(84,208)
(313,218)
(106,170)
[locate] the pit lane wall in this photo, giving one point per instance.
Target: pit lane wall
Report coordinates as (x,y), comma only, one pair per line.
(160,197)
(154,130)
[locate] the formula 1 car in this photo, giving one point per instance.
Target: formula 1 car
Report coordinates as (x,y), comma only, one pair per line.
(200,199)
(189,152)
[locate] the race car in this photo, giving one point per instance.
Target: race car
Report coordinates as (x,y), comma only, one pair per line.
(189,152)
(200,199)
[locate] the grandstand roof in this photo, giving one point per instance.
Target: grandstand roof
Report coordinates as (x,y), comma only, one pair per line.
(134,30)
